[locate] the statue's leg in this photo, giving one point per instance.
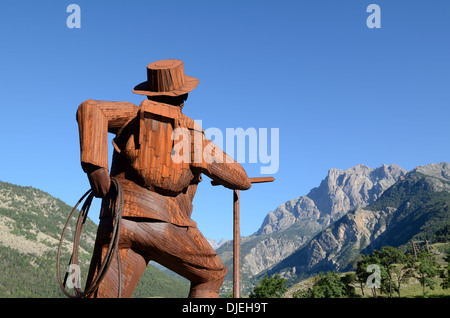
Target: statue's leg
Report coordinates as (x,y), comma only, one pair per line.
(132,264)
(183,250)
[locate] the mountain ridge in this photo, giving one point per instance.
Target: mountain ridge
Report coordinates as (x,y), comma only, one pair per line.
(339,190)
(296,221)
(415,207)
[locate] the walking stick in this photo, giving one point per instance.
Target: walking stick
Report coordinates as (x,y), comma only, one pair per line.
(236,234)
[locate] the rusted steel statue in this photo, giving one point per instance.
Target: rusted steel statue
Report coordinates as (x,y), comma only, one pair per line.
(157,190)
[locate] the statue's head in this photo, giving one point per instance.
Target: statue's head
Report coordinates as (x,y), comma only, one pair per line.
(167,83)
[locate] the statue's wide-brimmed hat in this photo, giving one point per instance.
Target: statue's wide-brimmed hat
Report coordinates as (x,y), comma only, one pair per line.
(166,78)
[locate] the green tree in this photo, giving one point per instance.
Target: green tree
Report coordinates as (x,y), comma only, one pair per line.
(394,262)
(427,269)
(272,287)
(328,285)
(361,271)
(363,274)
(446,278)
(348,280)
(403,270)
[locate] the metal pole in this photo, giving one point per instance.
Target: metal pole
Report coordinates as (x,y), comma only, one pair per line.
(236,233)
(236,245)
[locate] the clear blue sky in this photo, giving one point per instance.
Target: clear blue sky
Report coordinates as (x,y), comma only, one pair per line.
(340,93)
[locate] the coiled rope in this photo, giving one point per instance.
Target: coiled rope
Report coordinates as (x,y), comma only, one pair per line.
(112,248)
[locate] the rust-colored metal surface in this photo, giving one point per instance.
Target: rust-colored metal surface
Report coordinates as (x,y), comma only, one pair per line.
(157,190)
(236,245)
(237,234)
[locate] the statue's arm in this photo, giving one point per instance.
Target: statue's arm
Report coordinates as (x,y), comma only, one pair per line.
(221,168)
(95,119)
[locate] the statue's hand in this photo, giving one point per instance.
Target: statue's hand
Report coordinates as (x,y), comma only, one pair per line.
(100,182)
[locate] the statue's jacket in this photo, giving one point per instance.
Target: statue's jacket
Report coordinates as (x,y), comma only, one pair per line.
(155,185)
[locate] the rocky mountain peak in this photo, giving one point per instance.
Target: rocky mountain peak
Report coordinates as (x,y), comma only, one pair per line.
(415,208)
(344,197)
(340,191)
(436,170)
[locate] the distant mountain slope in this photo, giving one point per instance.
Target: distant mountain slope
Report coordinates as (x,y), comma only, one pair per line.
(30,226)
(296,221)
(215,244)
(340,191)
(415,207)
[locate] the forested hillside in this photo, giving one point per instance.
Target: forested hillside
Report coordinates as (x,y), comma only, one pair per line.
(30,226)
